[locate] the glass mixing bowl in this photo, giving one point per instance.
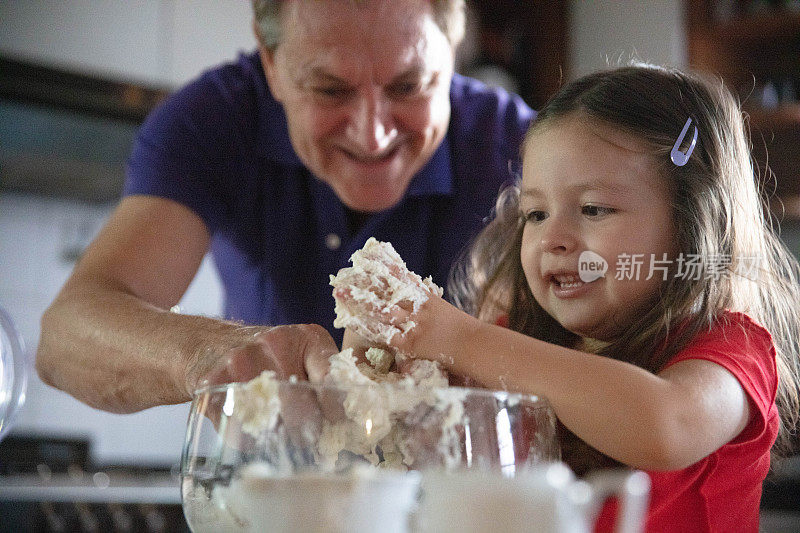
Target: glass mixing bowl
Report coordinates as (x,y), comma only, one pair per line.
(13,372)
(297,456)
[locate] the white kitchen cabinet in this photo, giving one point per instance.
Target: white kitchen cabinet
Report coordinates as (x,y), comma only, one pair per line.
(154,42)
(161,43)
(39,238)
(124,40)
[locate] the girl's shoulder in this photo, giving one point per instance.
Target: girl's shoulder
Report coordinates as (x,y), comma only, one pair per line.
(737,331)
(742,346)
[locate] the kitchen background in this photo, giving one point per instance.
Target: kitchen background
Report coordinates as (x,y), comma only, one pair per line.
(162,44)
(53,202)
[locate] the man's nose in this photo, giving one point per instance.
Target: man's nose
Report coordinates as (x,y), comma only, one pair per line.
(559,235)
(371,127)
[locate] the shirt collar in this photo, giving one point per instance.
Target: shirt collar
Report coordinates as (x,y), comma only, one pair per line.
(436,177)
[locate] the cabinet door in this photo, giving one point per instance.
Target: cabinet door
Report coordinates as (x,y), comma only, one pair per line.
(162,43)
(120,40)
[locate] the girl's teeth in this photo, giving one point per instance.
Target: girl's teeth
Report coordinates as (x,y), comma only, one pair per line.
(568,281)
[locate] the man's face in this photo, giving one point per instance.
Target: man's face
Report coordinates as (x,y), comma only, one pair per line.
(365,87)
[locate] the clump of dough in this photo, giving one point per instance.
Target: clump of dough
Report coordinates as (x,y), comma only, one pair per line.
(257,403)
(378,280)
(380,410)
(376,404)
(380,359)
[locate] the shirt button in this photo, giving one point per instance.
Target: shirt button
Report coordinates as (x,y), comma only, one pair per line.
(332,241)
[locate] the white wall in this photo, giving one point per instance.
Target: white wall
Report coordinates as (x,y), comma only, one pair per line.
(35,233)
(603,32)
(155,42)
(206,32)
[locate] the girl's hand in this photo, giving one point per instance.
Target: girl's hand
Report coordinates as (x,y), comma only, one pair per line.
(433,331)
(379,299)
(377,295)
(440,331)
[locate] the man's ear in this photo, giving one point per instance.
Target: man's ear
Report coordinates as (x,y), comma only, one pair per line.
(267,57)
(268,64)
(257,33)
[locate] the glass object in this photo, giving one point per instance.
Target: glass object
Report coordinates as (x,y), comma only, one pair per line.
(13,372)
(304,457)
(546,498)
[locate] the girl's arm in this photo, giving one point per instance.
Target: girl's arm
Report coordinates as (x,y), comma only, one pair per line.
(653,422)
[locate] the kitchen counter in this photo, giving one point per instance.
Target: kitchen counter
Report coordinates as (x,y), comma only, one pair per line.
(97,488)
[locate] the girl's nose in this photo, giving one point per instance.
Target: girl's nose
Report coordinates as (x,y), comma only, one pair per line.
(371,127)
(558,236)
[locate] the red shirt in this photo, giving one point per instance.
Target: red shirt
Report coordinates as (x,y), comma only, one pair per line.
(722,492)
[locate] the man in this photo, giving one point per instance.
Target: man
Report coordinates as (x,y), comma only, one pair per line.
(347,123)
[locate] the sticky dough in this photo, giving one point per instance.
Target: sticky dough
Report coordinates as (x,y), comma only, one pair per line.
(382,401)
(379,279)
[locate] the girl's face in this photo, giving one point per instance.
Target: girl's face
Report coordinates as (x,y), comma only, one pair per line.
(591,194)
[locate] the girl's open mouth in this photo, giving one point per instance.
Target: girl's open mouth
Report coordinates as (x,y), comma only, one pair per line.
(567,281)
(567,285)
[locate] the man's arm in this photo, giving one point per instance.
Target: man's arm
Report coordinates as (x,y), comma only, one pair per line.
(110,340)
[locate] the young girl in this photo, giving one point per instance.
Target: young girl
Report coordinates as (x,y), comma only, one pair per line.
(681,358)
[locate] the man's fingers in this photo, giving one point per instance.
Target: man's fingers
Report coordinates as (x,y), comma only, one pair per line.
(318,350)
(283,346)
(248,362)
(282,349)
(317,366)
(301,414)
(331,403)
(238,365)
(292,346)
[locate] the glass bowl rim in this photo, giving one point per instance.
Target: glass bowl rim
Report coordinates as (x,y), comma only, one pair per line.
(532,400)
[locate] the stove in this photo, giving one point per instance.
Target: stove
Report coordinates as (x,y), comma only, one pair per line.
(49,485)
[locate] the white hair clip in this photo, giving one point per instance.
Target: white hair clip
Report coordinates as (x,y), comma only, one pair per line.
(678,157)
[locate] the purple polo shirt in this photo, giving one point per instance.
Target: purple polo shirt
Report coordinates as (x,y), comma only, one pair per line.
(221,147)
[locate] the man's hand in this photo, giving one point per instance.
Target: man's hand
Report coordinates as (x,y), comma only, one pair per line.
(294,350)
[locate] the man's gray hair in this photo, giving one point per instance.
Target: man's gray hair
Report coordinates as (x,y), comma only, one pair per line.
(448,15)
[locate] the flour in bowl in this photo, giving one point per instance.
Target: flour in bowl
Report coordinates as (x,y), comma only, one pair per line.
(380,413)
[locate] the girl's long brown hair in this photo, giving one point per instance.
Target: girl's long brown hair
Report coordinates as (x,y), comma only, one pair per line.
(717,207)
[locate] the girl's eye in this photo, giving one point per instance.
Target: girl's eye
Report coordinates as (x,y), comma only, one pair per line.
(535,216)
(596,210)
